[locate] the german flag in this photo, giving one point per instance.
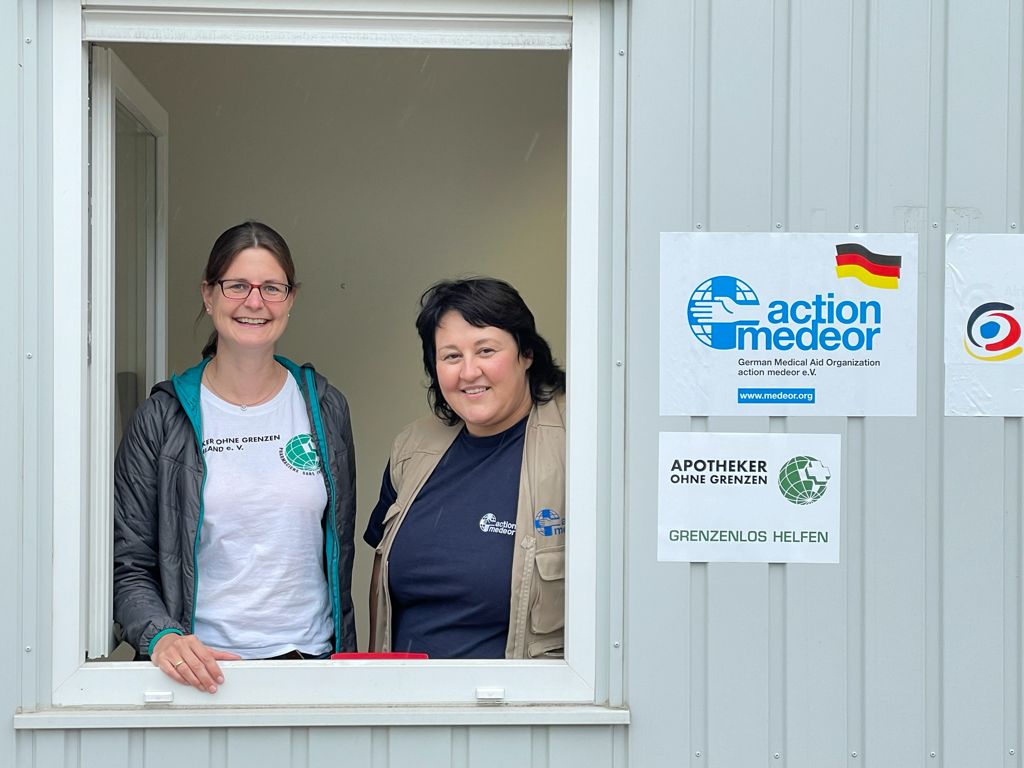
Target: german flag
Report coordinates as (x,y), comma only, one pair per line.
(874,269)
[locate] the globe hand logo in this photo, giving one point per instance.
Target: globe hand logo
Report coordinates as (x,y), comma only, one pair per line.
(723,310)
(718,307)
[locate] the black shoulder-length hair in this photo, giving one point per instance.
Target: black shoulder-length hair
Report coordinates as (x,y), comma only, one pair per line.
(483,302)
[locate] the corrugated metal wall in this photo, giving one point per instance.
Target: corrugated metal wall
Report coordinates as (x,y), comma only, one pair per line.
(832,115)
(814,115)
(410,747)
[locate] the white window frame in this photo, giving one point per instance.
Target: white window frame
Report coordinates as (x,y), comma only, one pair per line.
(112,85)
(509,24)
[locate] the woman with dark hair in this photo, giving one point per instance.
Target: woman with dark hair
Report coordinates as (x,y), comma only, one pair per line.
(234,488)
(469,529)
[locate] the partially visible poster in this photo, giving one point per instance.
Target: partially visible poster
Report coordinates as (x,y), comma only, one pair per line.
(773,324)
(749,498)
(984,315)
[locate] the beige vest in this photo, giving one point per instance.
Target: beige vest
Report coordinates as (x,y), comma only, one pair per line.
(537,610)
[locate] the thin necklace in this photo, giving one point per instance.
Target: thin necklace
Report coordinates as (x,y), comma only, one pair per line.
(244,406)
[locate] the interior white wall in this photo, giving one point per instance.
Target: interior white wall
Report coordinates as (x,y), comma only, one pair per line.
(385,170)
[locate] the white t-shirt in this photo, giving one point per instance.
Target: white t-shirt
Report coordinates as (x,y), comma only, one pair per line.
(262,589)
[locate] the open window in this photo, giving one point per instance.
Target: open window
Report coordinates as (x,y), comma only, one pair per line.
(81,617)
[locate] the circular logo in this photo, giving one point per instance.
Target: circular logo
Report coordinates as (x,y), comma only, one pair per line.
(803,479)
(548,523)
(717,307)
(301,454)
(487,522)
(993,334)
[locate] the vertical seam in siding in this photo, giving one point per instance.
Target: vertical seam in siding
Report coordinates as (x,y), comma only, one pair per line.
(855,535)
(1012,547)
(931,368)
(700,122)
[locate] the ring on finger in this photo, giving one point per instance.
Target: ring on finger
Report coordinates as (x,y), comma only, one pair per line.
(178,663)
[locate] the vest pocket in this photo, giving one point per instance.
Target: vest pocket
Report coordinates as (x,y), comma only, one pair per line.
(548,648)
(547,614)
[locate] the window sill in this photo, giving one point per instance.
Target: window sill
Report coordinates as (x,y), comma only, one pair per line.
(161,716)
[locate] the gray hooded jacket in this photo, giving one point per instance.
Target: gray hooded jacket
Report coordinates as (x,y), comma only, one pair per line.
(158,507)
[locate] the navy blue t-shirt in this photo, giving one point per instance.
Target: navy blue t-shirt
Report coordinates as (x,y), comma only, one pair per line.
(450,567)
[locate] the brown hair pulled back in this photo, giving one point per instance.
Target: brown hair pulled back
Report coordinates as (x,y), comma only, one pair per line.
(248,234)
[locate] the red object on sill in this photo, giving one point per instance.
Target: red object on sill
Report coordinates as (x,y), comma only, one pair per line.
(382,656)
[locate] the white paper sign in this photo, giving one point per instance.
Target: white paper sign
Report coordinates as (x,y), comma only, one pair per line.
(765,498)
(984,315)
(772,324)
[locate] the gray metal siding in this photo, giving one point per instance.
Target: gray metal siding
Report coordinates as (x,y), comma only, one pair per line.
(817,115)
(461,747)
(751,115)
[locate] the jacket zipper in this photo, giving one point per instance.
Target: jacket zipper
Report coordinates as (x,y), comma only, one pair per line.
(331,543)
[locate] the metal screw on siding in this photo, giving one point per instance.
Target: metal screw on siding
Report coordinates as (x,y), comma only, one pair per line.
(856,226)
(28,40)
(853,754)
(931,754)
(699,225)
(1013,225)
(28,355)
(622,51)
(777,755)
(1013,751)
(778,225)
(618,364)
(696,754)
(935,225)
(617,643)
(28,649)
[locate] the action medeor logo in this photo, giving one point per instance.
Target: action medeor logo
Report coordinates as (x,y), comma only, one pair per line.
(489,523)
(300,454)
(716,310)
(548,523)
(992,333)
(803,480)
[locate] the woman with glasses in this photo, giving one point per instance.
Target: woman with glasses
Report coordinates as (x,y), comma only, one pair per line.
(234,489)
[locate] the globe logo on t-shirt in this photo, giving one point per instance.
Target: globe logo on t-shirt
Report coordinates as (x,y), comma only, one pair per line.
(300,454)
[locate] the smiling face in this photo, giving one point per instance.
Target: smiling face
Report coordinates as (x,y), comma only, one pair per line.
(251,324)
(481,375)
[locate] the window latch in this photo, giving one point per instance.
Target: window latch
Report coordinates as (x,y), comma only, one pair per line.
(490,695)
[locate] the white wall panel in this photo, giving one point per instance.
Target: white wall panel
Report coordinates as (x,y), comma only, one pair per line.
(14,215)
(327,744)
(499,747)
(668,111)
(973,585)
(978,89)
(912,644)
(419,746)
(740,119)
(193,747)
(580,746)
(738,663)
(247,747)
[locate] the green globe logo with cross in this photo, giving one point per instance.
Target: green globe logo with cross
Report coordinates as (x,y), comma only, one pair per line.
(803,479)
(301,453)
